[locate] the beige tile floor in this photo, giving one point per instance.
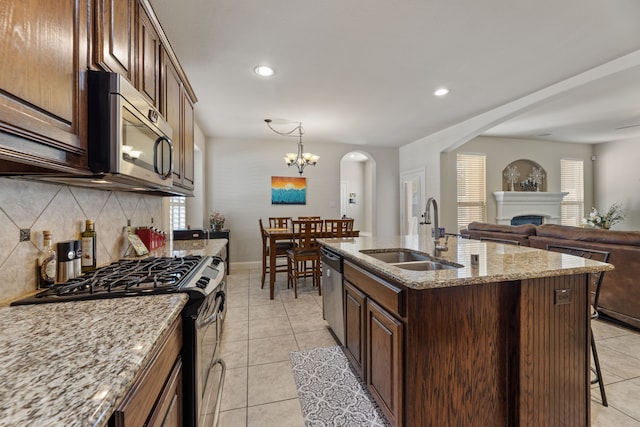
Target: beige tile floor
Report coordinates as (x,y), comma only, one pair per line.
(259,334)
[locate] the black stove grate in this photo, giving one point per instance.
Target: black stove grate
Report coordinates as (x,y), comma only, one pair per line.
(154,274)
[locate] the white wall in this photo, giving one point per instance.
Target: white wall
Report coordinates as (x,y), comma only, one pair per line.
(617,180)
(196,216)
(502,151)
(441,168)
(238,183)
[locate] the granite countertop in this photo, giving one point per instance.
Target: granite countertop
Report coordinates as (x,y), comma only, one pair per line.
(70,364)
(178,248)
(497,262)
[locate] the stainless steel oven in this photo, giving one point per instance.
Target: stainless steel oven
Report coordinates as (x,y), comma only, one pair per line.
(210,368)
(204,280)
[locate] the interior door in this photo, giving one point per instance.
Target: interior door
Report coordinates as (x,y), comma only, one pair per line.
(412,187)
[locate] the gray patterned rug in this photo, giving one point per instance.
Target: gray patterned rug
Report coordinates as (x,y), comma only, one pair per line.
(331,394)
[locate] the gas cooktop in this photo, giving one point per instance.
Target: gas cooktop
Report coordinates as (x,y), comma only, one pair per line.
(147,276)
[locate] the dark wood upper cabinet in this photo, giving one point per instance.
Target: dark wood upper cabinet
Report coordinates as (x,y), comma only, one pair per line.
(148,58)
(188,141)
(177,108)
(42,96)
(114,36)
(46,49)
(171,109)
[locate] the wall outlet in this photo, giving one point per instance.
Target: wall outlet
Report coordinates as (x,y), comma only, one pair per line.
(563,296)
(25,234)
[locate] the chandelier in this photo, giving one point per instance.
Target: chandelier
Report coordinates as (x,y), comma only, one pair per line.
(299,159)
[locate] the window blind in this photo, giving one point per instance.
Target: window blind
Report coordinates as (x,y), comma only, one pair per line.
(471,189)
(572,181)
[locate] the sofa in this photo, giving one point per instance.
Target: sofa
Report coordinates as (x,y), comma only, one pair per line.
(620,291)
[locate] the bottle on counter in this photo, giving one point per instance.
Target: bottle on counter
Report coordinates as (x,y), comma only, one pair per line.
(89,247)
(47,263)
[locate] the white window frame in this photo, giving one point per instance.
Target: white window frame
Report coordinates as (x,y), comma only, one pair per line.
(572,181)
(471,188)
(177,213)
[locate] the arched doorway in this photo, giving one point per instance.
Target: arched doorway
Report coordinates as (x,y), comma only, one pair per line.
(357,190)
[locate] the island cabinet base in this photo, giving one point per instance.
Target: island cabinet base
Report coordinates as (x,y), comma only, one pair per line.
(498,354)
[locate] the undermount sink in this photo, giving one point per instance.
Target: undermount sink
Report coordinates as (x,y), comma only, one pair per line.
(426,265)
(395,255)
(409,259)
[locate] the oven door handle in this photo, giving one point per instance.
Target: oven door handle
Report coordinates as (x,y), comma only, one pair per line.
(216,411)
(201,323)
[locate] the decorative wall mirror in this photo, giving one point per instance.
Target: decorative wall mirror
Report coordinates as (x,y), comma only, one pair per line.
(524,175)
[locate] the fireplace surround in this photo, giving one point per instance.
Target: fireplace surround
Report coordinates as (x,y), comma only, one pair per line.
(510,204)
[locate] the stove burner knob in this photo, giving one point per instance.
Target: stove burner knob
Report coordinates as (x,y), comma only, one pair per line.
(202,282)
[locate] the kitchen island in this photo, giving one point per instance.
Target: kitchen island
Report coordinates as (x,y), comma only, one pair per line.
(503,343)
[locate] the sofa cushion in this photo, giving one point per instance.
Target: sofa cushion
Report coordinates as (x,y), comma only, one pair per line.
(518,233)
(524,229)
(629,238)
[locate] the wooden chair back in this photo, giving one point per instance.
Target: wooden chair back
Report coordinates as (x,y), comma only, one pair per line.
(339,227)
(308,218)
(305,234)
(263,235)
(279,222)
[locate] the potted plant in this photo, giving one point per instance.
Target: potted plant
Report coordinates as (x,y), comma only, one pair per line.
(613,216)
(217,221)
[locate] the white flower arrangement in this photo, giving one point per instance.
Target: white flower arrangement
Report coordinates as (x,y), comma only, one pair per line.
(217,218)
(613,216)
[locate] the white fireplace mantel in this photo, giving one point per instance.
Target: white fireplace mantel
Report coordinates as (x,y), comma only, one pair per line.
(518,203)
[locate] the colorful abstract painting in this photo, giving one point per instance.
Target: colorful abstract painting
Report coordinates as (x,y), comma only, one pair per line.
(286,190)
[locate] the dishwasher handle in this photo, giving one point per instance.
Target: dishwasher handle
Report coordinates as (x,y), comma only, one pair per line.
(331,259)
(330,255)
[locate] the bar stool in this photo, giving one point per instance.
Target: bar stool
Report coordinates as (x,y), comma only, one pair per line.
(304,250)
(338,227)
(280,251)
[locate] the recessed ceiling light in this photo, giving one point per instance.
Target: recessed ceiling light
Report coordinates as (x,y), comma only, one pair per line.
(441,92)
(264,71)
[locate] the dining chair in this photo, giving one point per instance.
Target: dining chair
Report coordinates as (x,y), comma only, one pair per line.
(595,285)
(305,250)
(338,227)
(280,252)
(308,218)
(279,222)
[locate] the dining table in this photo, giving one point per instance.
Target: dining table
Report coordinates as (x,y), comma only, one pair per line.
(286,234)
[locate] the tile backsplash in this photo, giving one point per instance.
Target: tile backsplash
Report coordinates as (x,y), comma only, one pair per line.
(63,210)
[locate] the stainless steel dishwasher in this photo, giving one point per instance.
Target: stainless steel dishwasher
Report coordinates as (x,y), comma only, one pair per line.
(332,292)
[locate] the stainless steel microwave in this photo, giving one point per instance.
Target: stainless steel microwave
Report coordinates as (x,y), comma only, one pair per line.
(129,141)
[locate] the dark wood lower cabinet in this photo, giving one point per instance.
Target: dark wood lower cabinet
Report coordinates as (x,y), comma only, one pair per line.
(374,340)
(155,399)
(354,319)
(495,354)
(384,361)
(168,411)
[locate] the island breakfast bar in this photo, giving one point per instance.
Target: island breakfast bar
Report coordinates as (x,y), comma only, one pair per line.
(504,342)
